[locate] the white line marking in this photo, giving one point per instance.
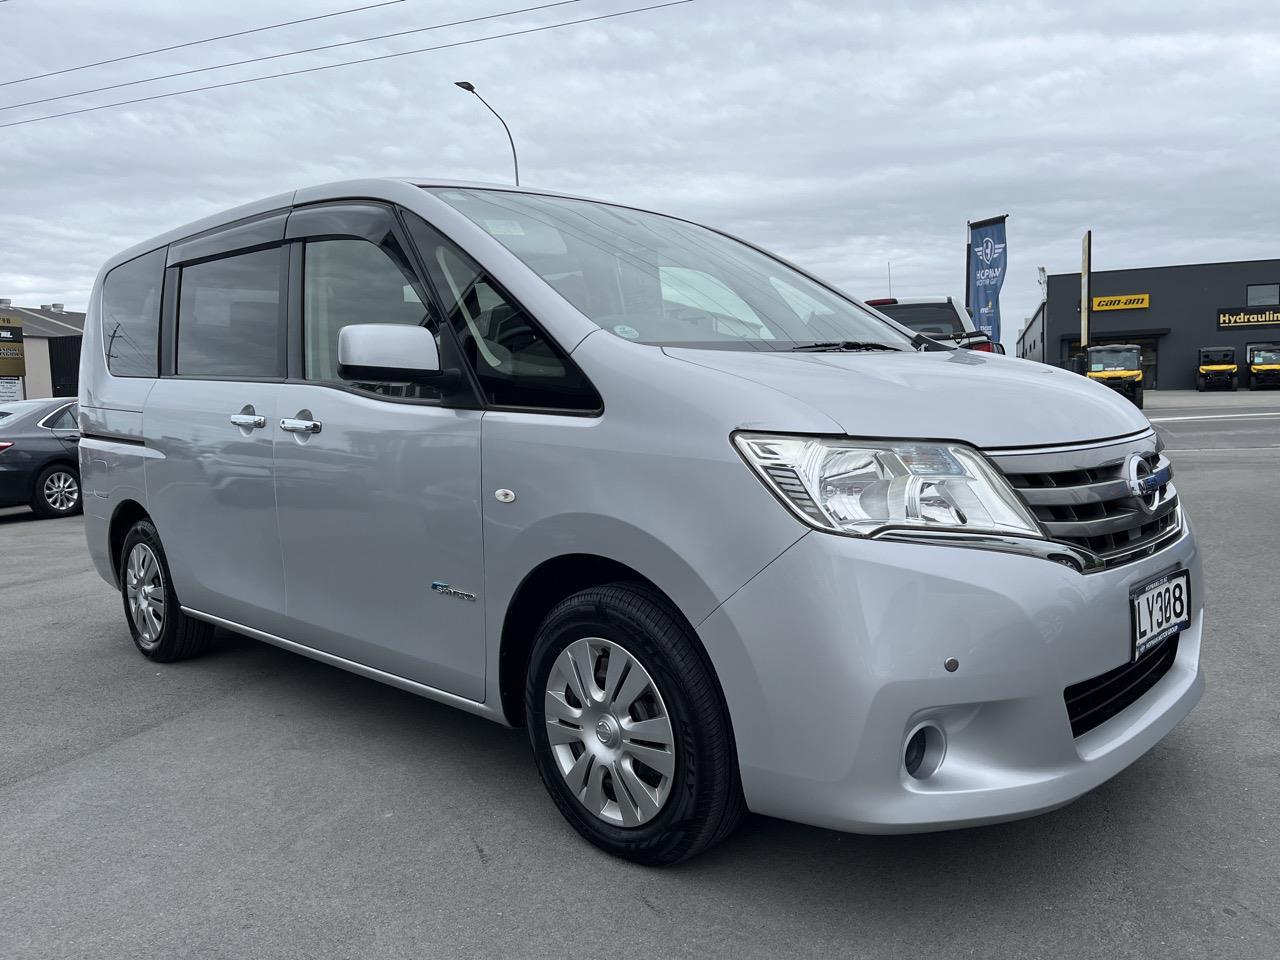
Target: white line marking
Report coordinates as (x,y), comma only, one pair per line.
(1215,416)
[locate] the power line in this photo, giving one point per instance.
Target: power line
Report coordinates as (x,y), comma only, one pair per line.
(347,63)
(289,53)
(196,43)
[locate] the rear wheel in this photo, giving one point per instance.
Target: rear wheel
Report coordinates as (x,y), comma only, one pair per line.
(628,729)
(57,492)
(160,630)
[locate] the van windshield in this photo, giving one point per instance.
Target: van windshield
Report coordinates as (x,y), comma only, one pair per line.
(658,280)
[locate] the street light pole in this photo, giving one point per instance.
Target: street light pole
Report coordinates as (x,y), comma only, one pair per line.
(470,88)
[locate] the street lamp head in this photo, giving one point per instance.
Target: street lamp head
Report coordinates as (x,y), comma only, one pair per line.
(465,85)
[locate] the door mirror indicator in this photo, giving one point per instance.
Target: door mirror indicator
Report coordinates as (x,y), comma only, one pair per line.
(387,353)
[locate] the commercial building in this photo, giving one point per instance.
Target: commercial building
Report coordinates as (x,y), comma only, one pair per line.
(41,348)
(1170,312)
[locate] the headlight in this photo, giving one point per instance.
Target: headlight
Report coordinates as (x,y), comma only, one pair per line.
(860,487)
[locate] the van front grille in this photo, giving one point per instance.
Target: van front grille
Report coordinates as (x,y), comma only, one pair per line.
(1083,497)
(1093,702)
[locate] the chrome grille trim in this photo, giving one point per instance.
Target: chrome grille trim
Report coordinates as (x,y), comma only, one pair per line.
(1082,497)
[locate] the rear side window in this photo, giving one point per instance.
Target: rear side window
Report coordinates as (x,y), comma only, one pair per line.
(517,364)
(131,315)
(229,317)
(66,420)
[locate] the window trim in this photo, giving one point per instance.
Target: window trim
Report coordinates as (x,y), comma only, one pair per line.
(498,286)
(170,310)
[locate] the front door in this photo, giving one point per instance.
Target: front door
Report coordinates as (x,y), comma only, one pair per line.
(377,485)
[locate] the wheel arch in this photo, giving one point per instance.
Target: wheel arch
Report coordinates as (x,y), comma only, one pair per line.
(540,590)
(125,515)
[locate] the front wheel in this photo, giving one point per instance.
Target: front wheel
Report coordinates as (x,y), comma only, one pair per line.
(629,732)
(1137,398)
(160,630)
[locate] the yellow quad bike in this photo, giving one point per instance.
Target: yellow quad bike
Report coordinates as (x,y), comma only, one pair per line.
(1264,365)
(1119,366)
(1218,368)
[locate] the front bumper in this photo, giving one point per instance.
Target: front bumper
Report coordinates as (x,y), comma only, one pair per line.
(1217,378)
(834,653)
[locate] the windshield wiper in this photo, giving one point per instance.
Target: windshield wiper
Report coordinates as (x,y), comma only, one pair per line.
(839,346)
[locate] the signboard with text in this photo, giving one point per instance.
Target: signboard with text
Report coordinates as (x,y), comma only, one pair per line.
(1235,318)
(10,389)
(12,360)
(987,259)
(1125,301)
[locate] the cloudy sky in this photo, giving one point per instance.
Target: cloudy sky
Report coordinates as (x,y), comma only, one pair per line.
(842,135)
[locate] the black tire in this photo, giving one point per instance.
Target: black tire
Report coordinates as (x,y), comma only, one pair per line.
(1137,398)
(1199,386)
(704,802)
(179,636)
(48,499)
(1234,385)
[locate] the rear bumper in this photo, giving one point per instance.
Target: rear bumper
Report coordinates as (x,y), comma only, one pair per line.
(834,654)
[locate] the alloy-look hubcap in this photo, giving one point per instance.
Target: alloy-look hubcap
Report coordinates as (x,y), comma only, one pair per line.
(144,588)
(610,732)
(61,491)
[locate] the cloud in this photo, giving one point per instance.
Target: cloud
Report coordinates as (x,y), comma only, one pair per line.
(841,136)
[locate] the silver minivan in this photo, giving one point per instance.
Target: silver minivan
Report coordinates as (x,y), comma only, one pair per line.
(721,537)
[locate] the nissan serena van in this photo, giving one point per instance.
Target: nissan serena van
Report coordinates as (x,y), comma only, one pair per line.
(717,535)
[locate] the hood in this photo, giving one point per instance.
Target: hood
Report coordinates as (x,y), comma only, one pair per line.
(984,399)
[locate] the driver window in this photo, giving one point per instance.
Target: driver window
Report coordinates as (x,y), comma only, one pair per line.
(517,364)
(356,281)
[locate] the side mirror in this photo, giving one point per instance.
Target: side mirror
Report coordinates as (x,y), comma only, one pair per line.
(387,353)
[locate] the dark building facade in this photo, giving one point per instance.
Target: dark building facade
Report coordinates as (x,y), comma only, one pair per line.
(1168,311)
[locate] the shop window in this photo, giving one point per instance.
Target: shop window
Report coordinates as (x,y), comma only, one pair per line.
(1263,294)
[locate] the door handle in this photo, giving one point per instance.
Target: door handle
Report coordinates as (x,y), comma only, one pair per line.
(292,425)
(248,420)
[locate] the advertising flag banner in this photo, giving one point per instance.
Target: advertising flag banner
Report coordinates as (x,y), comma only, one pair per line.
(987,263)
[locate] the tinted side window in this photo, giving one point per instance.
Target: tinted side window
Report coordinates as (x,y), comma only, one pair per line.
(229,317)
(356,281)
(131,315)
(517,364)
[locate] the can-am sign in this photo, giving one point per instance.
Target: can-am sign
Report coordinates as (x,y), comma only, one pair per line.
(1231,319)
(1127,301)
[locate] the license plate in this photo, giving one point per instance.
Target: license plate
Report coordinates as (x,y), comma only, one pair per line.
(1161,608)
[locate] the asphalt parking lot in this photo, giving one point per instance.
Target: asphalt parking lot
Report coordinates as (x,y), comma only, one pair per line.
(253,803)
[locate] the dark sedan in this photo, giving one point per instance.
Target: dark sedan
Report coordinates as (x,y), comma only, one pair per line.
(39,462)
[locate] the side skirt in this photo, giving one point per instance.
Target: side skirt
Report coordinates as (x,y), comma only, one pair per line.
(412,686)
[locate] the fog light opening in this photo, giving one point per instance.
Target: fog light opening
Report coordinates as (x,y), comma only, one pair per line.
(923,752)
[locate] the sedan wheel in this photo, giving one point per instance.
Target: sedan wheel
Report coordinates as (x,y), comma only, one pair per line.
(57,492)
